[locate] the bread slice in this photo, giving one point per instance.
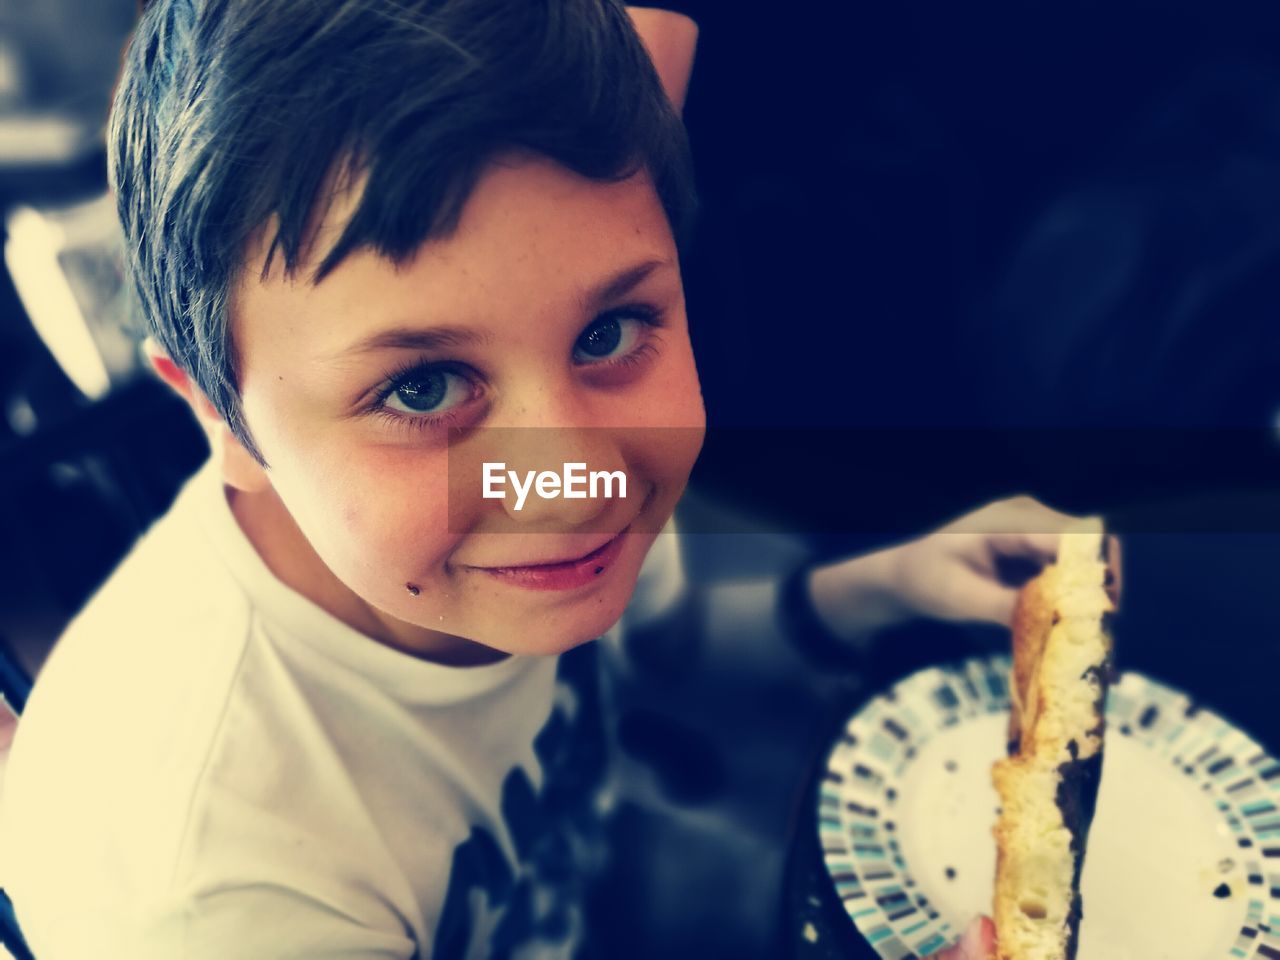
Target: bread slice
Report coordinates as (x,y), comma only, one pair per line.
(1048,785)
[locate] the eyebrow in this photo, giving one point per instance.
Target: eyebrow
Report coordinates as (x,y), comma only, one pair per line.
(412,338)
(620,284)
(433,338)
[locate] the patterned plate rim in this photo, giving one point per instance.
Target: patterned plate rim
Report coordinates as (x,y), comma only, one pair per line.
(879,740)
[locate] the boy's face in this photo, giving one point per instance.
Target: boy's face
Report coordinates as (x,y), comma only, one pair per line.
(557,304)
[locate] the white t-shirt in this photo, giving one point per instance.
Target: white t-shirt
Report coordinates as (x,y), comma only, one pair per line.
(211,766)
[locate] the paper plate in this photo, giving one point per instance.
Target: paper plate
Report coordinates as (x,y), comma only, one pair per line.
(1184,855)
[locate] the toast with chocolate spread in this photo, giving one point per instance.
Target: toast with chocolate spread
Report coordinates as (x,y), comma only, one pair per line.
(1048,784)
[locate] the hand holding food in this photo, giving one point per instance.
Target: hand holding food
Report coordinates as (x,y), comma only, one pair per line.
(957,573)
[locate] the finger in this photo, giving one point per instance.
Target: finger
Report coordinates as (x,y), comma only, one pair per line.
(1028,513)
(980,940)
(1017,515)
(978,943)
(950,953)
(984,600)
(1040,546)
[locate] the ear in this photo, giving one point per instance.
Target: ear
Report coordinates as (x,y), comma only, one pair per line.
(238,467)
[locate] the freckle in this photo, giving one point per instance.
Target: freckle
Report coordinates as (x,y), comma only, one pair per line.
(412,588)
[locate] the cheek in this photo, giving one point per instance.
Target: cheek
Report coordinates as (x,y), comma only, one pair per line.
(670,395)
(672,422)
(681,392)
(378,516)
(677,408)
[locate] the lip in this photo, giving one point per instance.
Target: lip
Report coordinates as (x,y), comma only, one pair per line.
(562,574)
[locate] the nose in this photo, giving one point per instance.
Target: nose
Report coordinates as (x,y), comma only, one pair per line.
(562,477)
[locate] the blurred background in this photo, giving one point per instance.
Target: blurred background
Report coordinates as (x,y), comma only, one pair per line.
(947,253)
(90,450)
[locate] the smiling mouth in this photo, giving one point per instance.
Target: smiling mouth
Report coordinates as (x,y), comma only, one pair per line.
(562,574)
(558,564)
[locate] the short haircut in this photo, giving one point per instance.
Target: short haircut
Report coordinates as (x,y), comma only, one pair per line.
(230,112)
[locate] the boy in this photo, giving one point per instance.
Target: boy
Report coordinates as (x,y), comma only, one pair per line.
(338,703)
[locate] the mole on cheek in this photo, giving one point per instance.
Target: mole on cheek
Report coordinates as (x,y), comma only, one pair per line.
(413,589)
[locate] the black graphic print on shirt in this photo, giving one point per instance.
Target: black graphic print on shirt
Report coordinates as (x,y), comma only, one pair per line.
(534,906)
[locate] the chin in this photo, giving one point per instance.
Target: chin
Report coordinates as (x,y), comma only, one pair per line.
(551,637)
(551,632)
(536,623)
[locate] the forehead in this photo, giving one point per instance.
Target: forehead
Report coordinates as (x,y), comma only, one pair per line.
(530,229)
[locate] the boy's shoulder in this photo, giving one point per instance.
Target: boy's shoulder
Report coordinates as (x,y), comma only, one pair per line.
(166,629)
(172,583)
(121,721)
(163,636)
(149,730)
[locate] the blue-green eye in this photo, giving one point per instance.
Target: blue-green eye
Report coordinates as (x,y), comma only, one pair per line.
(426,391)
(607,338)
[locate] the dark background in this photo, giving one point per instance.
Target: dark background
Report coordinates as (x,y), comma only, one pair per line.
(1040,238)
(947,252)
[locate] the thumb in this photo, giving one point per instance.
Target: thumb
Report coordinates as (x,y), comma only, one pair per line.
(987,600)
(978,943)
